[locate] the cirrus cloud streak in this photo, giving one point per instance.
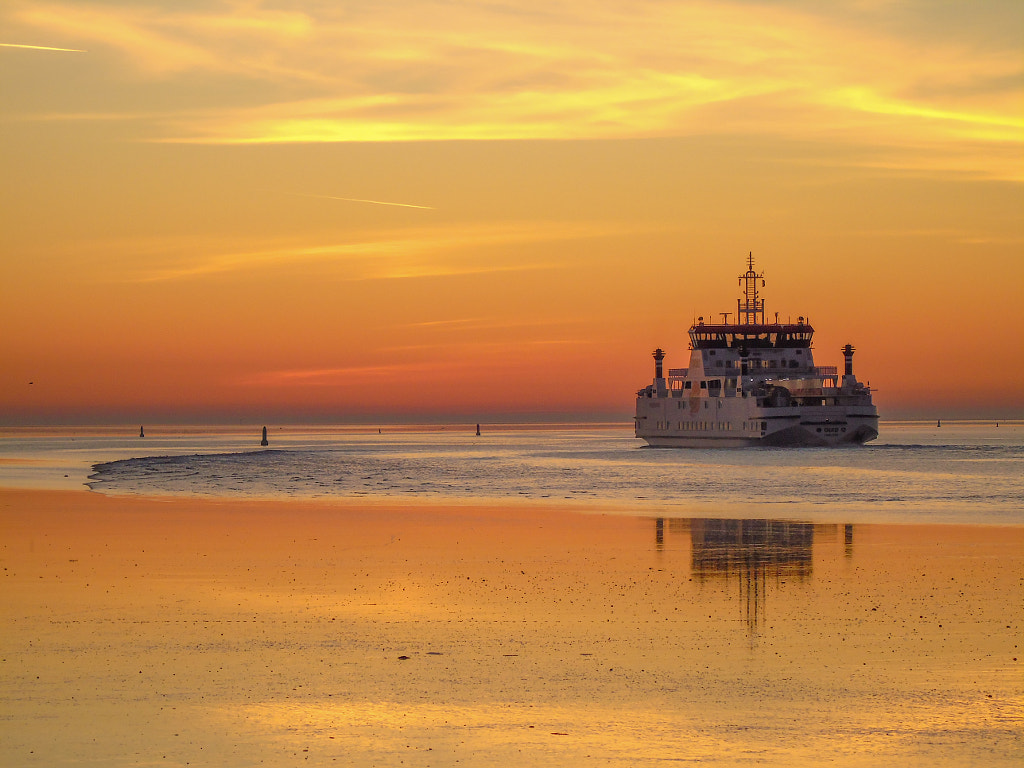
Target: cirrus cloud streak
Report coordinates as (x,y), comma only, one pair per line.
(449,70)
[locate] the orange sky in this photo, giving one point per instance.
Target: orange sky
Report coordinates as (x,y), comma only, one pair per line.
(292,210)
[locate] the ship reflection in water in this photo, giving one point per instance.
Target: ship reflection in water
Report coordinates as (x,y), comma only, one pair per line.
(757,553)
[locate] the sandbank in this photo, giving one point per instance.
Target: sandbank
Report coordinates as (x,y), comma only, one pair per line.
(179,631)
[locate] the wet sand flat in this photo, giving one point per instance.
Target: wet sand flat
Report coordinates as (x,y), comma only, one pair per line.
(144,631)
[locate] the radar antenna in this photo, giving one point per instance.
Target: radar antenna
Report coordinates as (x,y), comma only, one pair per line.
(750,309)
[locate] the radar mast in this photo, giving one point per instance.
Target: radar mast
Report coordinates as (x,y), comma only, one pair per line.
(750,309)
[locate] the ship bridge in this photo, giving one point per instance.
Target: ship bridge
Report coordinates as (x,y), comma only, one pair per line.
(750,331)
(736,336)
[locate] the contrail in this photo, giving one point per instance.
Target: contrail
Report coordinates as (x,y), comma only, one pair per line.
(42,48)
(359,200)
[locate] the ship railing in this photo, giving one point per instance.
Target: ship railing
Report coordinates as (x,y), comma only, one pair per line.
(780,370)
(731,369)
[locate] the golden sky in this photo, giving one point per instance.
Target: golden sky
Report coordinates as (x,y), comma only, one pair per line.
(292,209)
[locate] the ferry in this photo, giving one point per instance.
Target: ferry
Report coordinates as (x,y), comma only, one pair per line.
(754,383)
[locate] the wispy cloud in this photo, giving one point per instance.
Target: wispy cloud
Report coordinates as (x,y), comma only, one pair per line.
(350,375)
(461,356)
(450,70)
(240,38)
(417,254)
(494,349)
(474,324)
(42,48)
(360,200)
(134,31)
(330,376)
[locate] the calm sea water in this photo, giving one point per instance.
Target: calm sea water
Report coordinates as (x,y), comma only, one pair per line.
(963,472)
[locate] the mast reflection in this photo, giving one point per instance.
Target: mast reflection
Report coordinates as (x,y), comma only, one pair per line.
(753,551)
(758,553)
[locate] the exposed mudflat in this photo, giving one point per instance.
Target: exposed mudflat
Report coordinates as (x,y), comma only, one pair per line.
(181,631)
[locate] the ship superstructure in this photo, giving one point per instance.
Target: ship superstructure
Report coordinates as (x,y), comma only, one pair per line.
(754,383)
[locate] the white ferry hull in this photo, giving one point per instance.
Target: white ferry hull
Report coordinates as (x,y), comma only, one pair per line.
(805,434)
(670,423)
(788,438)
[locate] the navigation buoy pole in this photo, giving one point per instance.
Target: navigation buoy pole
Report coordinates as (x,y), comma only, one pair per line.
(478,430)
(142,432)
(264,441)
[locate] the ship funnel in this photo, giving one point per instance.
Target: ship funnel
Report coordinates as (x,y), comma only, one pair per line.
(848,354)
(659,355)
